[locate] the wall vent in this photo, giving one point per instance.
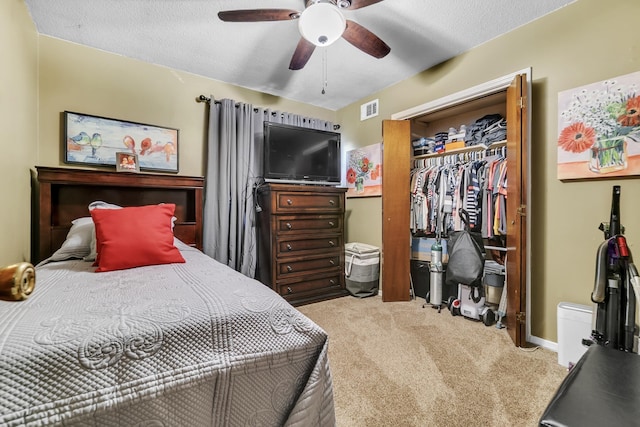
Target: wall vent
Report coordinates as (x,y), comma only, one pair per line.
(368,110)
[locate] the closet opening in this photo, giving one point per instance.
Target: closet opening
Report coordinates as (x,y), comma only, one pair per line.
(457,144)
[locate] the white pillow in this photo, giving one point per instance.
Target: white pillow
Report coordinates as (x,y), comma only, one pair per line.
(78,241)
(98,204)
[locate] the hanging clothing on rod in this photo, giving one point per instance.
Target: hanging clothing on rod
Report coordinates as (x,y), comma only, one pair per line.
(442,186)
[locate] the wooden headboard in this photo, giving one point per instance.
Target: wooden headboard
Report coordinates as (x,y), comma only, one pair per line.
(63,194)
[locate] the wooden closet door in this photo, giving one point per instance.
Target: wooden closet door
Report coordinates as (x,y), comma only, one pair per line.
(517,154)
(396,163)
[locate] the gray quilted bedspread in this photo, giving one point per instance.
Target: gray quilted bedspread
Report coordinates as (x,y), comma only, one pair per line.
(194,344)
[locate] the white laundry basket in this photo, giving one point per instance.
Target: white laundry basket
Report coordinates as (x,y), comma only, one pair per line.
(361,269)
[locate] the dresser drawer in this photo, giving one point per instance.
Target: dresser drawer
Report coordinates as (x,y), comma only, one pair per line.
(308,223)
(300,245)
(308,202)
(314,285)
(301,266)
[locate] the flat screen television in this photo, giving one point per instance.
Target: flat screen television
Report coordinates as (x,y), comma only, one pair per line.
(295,154)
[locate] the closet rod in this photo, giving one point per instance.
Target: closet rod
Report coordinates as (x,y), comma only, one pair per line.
(207,101)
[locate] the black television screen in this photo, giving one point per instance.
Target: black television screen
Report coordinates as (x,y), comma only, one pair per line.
(301,155)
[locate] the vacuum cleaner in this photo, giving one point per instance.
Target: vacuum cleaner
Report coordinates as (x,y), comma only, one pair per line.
(471,303)
(616,287)
(467,268)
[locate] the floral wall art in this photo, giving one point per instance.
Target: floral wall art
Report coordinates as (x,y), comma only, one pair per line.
(364,171)
(95,141)
(599,129)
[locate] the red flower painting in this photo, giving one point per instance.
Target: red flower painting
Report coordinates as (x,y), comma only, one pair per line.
(631,116)
(599,128)
(577,138)
(351,176)
(364,170)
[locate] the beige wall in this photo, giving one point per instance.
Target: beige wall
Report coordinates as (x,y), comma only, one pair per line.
(585,42)
(85,80)
(18,116)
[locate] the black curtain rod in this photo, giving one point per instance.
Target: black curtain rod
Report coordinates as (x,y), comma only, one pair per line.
(206,100)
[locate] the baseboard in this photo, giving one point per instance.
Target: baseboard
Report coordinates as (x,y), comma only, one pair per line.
(549,345)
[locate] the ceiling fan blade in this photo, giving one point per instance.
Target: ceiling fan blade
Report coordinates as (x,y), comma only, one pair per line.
(358,4)
(365,40)
(302,54)
(257,15)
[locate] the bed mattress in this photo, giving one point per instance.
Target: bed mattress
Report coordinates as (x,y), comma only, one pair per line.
(194,344)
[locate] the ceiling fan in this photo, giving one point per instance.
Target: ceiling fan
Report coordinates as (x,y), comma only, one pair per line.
(320,24)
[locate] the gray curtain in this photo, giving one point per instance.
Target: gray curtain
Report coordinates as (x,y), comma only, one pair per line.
(233,170)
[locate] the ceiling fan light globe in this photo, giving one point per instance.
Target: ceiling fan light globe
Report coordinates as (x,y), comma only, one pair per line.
(322,24)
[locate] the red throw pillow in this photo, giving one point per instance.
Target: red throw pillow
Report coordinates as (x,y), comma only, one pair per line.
(135,237)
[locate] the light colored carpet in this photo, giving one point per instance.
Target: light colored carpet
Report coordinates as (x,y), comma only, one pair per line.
(399,364)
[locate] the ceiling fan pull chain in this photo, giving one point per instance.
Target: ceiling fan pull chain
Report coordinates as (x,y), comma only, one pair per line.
(324,70)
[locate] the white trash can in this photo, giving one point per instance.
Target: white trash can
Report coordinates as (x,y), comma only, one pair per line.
(574,325)
(361,269)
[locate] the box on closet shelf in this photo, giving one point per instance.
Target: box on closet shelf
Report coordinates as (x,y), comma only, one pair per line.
(421,151)
(453,145)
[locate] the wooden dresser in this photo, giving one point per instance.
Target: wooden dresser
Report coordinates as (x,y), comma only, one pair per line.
(301,241)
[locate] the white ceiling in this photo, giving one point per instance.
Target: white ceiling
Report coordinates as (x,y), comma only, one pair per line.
(188,35)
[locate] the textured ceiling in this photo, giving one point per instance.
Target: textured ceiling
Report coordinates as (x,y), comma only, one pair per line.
(187,35)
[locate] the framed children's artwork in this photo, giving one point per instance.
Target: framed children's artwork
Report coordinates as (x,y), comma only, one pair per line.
(127,162)
(94,140)
(599,129)
(364,171)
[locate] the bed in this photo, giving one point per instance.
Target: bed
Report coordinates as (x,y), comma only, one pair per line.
(190,343)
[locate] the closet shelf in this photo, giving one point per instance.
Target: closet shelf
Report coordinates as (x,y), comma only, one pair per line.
(471,148)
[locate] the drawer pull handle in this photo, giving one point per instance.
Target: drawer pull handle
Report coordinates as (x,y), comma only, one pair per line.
(332,224)
(332,262)
(332,282)
(289,247)
(289,202)
(332,243)
(289,269)
(289,290)
(289,225)
(332,202)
